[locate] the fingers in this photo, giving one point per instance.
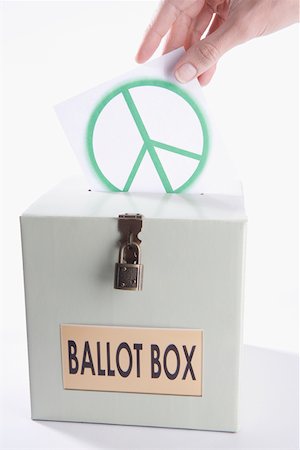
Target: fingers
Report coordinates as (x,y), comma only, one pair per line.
(205,53)
(199,26)
(178,33)
(205,77)
(180,30)
(166,16)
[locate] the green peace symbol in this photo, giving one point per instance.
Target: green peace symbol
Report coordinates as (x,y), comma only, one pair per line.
(149,143)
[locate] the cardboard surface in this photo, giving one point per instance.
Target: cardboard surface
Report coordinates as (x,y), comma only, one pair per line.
(193,279)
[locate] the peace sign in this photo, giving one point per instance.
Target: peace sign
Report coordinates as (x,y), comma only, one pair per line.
(102,158)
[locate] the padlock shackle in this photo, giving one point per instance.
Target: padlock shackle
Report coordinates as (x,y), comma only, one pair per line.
(124,246)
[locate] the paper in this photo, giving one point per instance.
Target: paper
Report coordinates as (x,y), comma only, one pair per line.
(145,132)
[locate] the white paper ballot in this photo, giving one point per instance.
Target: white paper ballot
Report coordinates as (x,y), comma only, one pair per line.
(145,132)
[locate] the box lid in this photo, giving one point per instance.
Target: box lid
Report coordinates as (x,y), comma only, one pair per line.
(72,198)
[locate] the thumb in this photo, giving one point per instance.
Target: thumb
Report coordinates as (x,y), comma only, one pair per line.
(204,54)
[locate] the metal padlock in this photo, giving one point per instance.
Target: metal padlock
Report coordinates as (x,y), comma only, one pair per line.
(129,276)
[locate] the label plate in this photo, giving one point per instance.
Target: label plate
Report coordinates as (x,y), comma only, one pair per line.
(126,359)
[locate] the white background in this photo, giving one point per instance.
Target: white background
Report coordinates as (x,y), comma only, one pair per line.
(55,50)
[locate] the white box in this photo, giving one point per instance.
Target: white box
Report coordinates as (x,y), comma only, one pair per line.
(193,251)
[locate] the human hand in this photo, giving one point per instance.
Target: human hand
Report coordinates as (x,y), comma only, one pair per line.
(227,23)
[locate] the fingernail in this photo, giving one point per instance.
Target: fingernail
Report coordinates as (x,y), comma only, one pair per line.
(186,73)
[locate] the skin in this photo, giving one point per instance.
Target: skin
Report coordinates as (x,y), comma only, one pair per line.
(209,28)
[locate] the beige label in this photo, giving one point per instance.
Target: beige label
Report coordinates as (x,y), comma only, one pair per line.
(145,360)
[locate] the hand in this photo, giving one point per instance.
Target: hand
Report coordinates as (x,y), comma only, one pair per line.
(227,24)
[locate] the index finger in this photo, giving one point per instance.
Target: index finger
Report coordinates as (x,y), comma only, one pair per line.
(166,16)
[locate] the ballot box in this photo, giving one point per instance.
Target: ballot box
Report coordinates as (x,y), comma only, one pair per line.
(158,348)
